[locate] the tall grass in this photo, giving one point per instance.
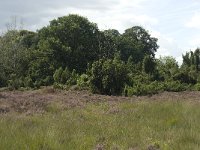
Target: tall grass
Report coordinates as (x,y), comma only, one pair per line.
(137,125)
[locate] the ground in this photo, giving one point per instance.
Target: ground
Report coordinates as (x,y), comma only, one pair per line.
(49,119)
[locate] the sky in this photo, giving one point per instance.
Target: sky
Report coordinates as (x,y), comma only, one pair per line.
(175,23)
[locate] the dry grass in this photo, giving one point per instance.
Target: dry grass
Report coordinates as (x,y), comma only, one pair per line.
(37,101)
(50,119)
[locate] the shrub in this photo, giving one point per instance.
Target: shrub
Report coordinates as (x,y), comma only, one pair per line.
(148,65)
(144,89)
(73,78)
(65,76)
(83,80)
(141,78)
(175,86)
(156,87)
(28,82)
(60,86)
(108,76)
(57,75)
(3,79)
(185,77)
(197,87)
(14,83)
(37,84)
(47,81)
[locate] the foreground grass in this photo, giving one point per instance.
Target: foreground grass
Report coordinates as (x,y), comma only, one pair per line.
(137,125)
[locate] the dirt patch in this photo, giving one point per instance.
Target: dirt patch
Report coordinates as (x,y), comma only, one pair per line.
(36,101)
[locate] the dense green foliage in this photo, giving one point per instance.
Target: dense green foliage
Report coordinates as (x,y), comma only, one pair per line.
(71,50)
(108,76)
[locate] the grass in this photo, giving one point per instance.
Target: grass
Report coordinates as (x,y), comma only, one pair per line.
(170,125)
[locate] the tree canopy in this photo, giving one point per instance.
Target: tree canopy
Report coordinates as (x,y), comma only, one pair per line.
(72,51)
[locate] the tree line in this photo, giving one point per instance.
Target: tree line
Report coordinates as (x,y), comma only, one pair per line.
(71,52)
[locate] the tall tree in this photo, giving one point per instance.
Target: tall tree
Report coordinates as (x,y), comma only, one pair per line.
(138,43)
(70,41)
(14,56)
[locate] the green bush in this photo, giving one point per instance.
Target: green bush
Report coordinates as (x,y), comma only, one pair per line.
(197,87)
(57,75)
(83,80)
(47,81)
(144,89)
(3,79)
(14,83)
(65,76)
(28,82)
(60,86)
(141,78)
(185,77)
(73,78)
(37,84)
(108,76)
(148,64)
(156,87)
(175,86)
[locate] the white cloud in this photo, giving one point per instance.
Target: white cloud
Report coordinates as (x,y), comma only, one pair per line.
(168,46)
(132,3)
(117,14)
(122,14)
(195,42)
(122,22)
(144,19)
(194,22)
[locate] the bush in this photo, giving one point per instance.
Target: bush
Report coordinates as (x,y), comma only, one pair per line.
(57,75)
(47,81)
(14,83)
(144,89)
(83,80)
(156,87)
(60,86)
(3,79)
(28,82)
(141,78)
(175,86)
(73,78)
(37,84)
(185,77)
(197,87)
(108,76)
(65,76)
(148,65)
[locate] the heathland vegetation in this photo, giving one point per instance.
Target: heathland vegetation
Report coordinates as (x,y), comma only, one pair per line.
(51,119)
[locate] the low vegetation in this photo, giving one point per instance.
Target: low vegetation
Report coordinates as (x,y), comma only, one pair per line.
(99,122)
(52,119)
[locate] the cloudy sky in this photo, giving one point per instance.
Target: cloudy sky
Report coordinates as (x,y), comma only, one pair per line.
(175,23)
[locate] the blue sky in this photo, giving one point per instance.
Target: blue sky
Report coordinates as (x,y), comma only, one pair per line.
(175,23)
